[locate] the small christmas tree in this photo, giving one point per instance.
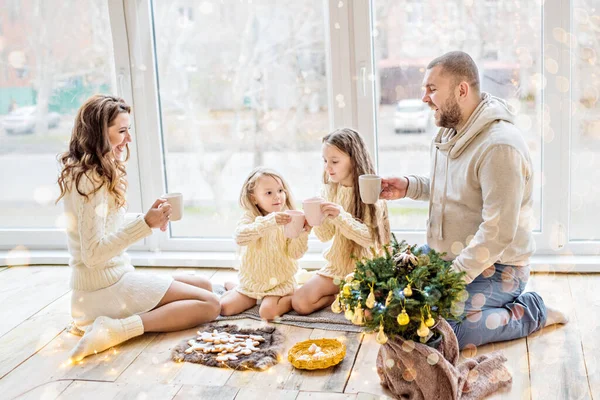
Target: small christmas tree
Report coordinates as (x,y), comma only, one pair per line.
(403,293)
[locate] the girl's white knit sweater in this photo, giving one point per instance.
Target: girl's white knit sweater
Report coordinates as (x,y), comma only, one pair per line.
(269,259)
(346,230)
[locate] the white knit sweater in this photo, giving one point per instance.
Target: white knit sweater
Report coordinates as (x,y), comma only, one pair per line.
(98,238)
(344,230)
(268,262)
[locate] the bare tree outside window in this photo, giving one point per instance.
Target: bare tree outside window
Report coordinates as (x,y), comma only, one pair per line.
(53,55)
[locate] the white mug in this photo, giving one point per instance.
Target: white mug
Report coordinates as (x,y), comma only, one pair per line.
(312,210)
(176,202)
(370,188)
(294,228)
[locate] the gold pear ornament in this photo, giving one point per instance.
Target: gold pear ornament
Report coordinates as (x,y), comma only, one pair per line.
(359,316)
(371,299)
(349,314)
(388,300)
(423,330)
(336,307)
(381,336)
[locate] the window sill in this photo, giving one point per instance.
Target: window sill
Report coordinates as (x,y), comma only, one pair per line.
(539,263)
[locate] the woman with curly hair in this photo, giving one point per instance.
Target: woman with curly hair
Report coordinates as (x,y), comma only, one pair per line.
(112,302)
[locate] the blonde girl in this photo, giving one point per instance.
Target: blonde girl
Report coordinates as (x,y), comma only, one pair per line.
(269,259)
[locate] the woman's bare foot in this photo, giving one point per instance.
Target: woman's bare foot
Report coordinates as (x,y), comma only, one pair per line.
(230,285)
(555,316)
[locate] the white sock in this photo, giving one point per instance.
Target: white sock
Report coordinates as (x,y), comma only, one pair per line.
(554,316)
(106,333)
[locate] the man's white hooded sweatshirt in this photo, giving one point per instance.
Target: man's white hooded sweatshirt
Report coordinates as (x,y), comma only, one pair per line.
(480,191)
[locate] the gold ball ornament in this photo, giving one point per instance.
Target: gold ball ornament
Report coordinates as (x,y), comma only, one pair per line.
(403,318)
(407,291)
(429,322)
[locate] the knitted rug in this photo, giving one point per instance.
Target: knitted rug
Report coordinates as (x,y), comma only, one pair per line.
(418,372)
(323,319)
(268,354)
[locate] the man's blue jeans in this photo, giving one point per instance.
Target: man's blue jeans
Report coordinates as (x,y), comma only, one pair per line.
(497,309)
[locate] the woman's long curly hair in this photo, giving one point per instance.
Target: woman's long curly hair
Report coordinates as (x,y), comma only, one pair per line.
(90,149)
(350,142)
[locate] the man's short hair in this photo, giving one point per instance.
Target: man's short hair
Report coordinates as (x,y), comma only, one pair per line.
(460,66)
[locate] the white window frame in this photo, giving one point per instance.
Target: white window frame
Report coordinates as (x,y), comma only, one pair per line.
(351,73)
(54,238)
(553,237)
(138,14)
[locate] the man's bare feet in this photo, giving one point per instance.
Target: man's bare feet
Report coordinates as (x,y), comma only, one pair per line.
(555,316)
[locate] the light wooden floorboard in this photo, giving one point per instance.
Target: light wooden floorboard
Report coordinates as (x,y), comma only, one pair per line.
(26,290)
(118,391)
(586,295)
(364,376)
(224,275)
(33,334)
(325,396)
(561,362)
(47,391)
(557,367)
(206,392)
(52,363)
(262,394)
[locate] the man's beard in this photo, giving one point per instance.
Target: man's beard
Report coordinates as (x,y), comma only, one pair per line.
(450,115)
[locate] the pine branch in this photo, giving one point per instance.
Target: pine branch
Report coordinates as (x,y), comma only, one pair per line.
(423,285)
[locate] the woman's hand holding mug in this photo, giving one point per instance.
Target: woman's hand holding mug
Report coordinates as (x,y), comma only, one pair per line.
(158,215)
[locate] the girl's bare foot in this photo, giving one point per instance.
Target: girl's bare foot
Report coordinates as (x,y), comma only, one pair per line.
(230,285)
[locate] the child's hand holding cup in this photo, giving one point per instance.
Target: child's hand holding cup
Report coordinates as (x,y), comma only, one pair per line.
(312,210)
(294,228)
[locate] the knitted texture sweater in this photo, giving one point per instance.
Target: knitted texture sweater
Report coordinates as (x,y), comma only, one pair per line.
(98,237)
(346,230)
(269,259)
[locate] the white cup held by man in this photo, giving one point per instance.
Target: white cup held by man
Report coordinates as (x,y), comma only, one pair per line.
(370,188)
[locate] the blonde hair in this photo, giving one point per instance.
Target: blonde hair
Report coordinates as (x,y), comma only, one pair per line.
(249,186)
(90,149)
(351,143)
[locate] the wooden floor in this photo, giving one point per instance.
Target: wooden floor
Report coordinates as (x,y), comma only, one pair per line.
(556,363)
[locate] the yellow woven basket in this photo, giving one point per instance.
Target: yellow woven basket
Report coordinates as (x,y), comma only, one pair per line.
(334,350)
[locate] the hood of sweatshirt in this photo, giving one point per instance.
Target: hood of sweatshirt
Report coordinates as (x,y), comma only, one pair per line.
(453,143)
